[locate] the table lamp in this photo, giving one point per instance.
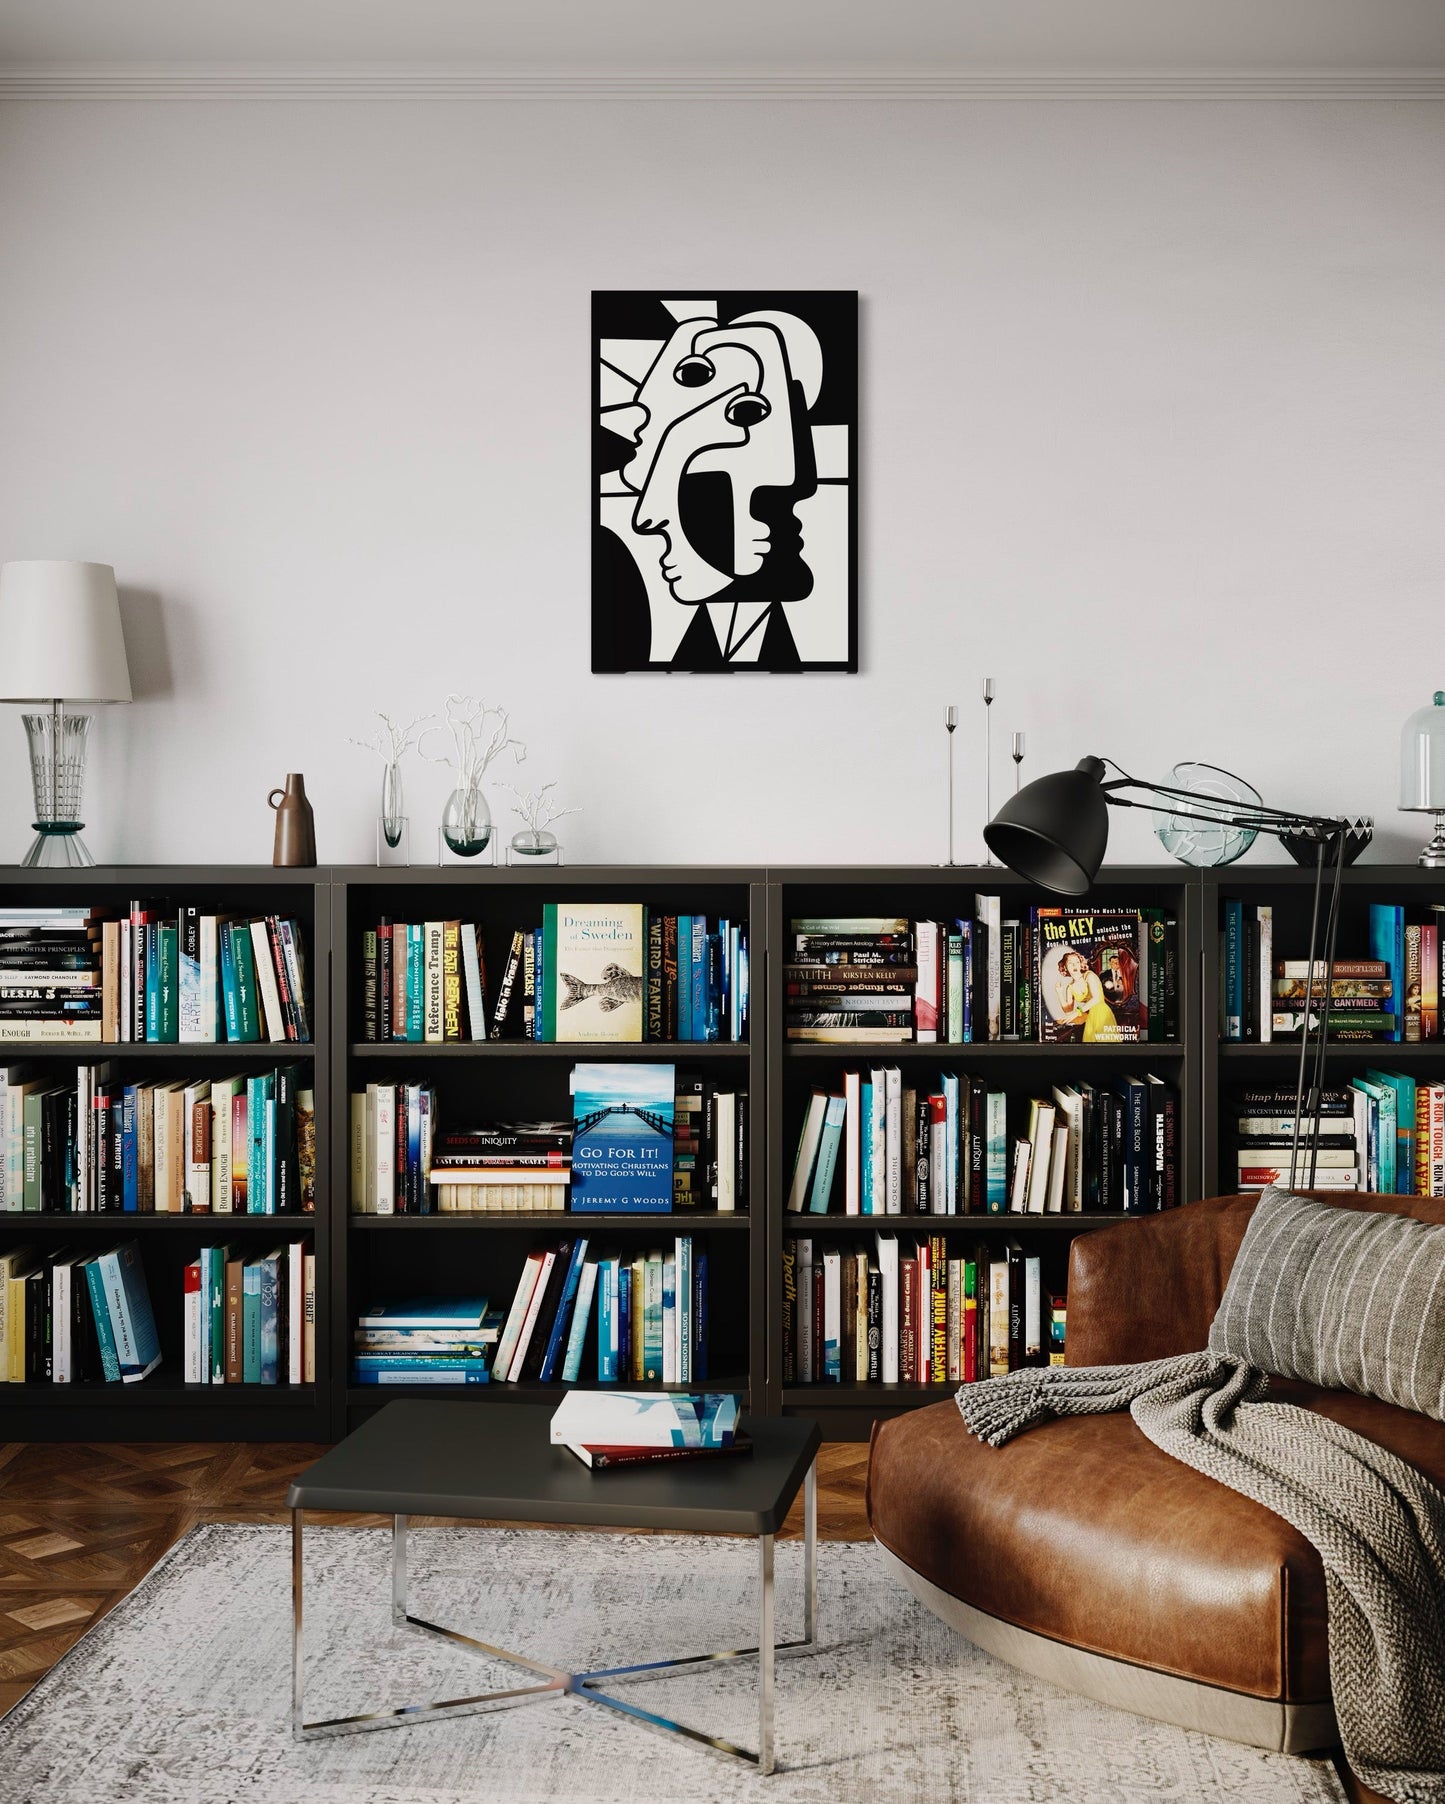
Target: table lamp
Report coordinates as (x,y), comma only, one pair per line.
(60,644)
(1422,772)
(1055,832)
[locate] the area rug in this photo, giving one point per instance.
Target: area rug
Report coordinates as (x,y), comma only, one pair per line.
(181,1695)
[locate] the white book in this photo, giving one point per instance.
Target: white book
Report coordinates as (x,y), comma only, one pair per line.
(852,1128)
(989,910)
(472,976)
(1018,1201)
(223,1096)
(832,1314)
(685,1324)
(669,1320)
(210,979)
(1041,1136)
(1058,1170)
(296,1311)
(638,1419)
(84,1147)
(516,1316)
(893,1139)
(1360,1103)
(876,1151)
(529,1324)
(888,1307)
(62,1353)
(1070,1106)
(1033,1309)
(727,1152)
(807,1150)
(1265,916)
(192,1344)
(947,1202)
(577,1334)
(275,1021)
(803,1276)
(383,1149)
(937,1165)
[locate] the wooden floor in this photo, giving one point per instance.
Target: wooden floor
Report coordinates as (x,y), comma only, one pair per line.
(81,1525)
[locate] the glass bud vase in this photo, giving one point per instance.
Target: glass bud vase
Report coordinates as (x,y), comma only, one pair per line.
(534,845)
(467,822)
(393,807)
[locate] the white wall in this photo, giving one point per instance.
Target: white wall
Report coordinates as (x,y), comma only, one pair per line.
(1153,432)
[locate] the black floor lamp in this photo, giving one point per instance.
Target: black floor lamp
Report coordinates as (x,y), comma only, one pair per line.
(1055,832)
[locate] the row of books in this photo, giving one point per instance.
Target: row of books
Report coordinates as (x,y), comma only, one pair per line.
(645,1138)
(159,973)
(646,1315)
(1051,975)
(72,1318)
(251,1320)
(612,1429)
(1390,995)
(1384,1131)
(880,1146)
(238,1145)
(590,972)
(914,1312)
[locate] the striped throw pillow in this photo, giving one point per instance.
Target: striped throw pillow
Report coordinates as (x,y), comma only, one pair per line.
(1341,1298)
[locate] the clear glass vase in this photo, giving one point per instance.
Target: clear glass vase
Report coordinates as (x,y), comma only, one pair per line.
(534,845)
(393,806)
(467,822)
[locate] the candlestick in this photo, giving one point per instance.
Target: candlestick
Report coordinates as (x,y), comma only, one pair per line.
(1018,755)
(988,758)
(950,721)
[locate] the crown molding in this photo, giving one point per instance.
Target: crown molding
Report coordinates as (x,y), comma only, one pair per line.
(874,85)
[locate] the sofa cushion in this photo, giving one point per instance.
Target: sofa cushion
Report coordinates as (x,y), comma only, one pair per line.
(1352,1301)
(1084,1531)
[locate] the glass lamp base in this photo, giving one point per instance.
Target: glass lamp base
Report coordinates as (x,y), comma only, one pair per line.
(58,847)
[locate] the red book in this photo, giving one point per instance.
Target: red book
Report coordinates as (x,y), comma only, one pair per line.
(601,1458)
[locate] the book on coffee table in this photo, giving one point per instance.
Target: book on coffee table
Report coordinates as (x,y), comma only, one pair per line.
(602,1459)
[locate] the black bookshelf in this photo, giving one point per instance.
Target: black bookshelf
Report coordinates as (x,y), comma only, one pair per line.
(356,1254)
(163,1406)
(513,1078)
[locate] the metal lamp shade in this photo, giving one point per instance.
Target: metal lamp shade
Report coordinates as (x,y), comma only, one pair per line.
(1055,831)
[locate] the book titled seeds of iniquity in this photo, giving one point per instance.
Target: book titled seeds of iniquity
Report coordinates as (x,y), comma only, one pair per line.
(592,970)
(622,1138)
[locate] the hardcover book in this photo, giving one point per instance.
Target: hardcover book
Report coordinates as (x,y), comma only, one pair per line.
(622,1138)
(1089,965)
(593,963)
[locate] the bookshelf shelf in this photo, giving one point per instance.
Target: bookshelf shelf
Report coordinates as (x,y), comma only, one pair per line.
(120,1226)
(674,1052)
(708,1221)
(372,1396)
(961,1051)
(362,1255)
(86,1052)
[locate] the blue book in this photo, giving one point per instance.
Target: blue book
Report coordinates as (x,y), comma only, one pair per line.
(402,1368)
(699,1317)
(271,1317)
(129,1152)
(697,1014)
(230,995)
(827,1159)
(538,1012)
(682,1292)
(430,1312)
(965,928)
(684,977)
(996,1152)
(867,1202)
(622,1138)
(259,1198)
(945,1200)
(1384,1125)
(589,1285)
(1403,1089)
(415,980)
(137,1347)
(607,1321)
(1233,970)
(100,1310)
(1387,942)
(624,1319)
(251,1322)
(744,1000)
(150,941)
(557,1340)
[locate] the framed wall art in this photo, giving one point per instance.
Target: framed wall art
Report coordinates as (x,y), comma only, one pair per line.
(725,480)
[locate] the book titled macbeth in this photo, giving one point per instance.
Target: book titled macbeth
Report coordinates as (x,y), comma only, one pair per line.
(593,968)
(622,1138)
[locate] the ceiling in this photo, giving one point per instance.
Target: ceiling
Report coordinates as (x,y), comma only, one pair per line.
(759,37)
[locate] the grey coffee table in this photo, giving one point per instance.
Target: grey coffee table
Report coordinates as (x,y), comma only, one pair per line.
(494,1461)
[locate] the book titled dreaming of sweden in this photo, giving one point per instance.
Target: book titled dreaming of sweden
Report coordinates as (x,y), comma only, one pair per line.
(622,1139)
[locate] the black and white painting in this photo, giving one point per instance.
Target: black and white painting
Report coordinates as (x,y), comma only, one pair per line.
(725,480)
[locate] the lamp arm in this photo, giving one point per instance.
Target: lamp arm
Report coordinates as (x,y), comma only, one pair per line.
(1263,819)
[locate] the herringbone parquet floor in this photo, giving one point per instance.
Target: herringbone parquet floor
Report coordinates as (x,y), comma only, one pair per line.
(81,1525)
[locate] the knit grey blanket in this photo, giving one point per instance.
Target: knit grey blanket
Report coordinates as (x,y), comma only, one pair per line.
(1377,1524)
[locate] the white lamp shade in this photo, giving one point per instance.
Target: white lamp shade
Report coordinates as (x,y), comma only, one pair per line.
(60,634)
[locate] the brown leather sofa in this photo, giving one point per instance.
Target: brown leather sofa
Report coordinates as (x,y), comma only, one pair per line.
(1083,1554)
